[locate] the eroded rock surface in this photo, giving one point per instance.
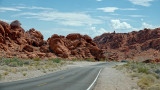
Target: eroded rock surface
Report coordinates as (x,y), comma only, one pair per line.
(144,43)
(16,42)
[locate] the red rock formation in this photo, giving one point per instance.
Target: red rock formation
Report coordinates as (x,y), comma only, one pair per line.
(152,61)
(139,43)
(14,41)
(75,46)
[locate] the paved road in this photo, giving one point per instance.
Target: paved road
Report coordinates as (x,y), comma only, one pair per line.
(79,78)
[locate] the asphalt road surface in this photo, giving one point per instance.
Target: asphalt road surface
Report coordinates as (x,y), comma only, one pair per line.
(79,78)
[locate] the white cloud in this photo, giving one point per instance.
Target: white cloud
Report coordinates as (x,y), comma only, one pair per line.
(131,9)
(136,15)
(99,0)
(145,3)
(96,32)
(33,7)
(116,24)
(64,18)
(146,25)
(19,8)
(108,9)
(5,20)
(113,9)
(3,9)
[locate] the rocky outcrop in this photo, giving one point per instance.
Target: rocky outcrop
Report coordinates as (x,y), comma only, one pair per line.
(129,45)
(75,46)
(16,42)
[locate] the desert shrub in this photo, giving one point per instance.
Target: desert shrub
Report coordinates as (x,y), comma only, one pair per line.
(135,75)
(37,59)
(56,60)
(147,73)
(24,74)
(90,60)
(154,87)
(44,71)
(146,81)
(26,62)
(14,70)
(13,62)
(5,73)
(143,69)
(74,59)
(0,76)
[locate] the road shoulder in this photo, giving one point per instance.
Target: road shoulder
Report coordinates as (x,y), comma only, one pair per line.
(112,79)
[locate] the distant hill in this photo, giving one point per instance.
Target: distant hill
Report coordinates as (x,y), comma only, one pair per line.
(136,45)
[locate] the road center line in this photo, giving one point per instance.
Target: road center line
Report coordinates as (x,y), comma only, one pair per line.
(94,80)
(42,84)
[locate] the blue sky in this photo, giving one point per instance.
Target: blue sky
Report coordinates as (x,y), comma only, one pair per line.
(92,17)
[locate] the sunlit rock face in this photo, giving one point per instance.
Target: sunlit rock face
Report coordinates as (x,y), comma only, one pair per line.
(16,42)
(145,43)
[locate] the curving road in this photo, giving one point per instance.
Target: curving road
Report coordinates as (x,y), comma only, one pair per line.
(79,78)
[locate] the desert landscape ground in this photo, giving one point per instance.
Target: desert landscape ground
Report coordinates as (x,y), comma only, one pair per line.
(125,61)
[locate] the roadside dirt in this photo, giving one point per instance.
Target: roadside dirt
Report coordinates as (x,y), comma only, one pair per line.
(112,79)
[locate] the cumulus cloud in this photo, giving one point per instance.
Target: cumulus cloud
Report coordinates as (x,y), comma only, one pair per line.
(64,18)
(116,24)
(145,3)
(113,9)
(146,25)
(96,32)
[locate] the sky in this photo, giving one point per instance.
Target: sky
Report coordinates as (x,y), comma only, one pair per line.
(91,17)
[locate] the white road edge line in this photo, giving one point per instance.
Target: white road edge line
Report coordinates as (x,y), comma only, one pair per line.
(94,80)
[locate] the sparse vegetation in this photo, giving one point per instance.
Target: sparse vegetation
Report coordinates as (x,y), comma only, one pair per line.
(90,60)
(24,74)
(16,65)
(13,62)
(0,76)
(56,60)
(148,74)
(37,59)
(5,73)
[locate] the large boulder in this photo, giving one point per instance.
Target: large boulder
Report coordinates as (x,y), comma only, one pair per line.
(34,38)
(75,46)
(57,45)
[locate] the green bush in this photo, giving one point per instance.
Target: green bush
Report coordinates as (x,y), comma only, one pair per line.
(143,69)
(13,62)
(37,59)
(56,60)
(24,74)
(90,60)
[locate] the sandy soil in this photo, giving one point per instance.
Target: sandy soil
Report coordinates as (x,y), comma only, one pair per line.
(14,75)
(112,79)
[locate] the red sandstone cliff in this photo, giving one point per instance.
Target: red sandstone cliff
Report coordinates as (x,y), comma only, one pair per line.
(138,45)
(15,42)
